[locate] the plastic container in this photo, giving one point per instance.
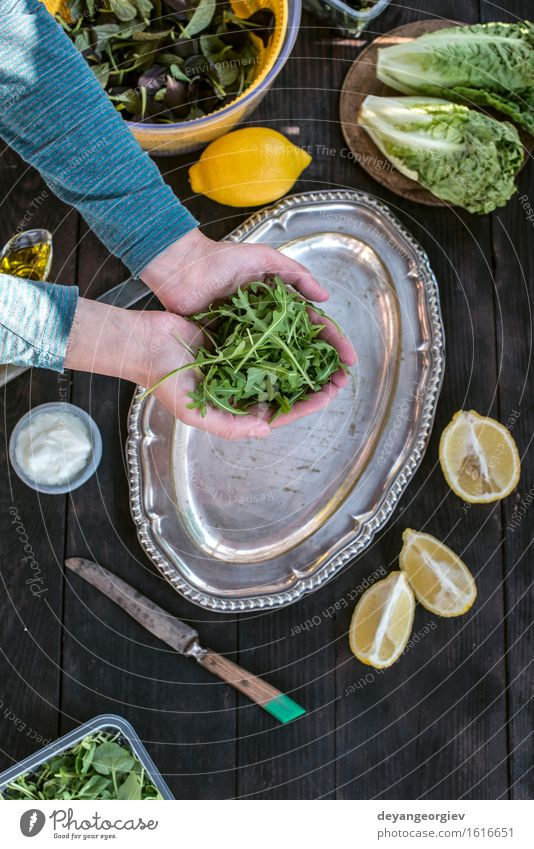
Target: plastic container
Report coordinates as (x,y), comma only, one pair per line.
(94,458)
(185,136)
(349,20)
(105,722)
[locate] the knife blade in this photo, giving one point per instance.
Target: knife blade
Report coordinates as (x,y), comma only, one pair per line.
(184,639)
(171,630)
(124,295)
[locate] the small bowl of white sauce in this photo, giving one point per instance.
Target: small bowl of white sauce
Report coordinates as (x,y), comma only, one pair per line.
(55,448)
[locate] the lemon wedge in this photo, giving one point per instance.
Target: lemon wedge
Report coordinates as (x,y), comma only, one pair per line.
(248,167)
(479,458)
(382,621)
(440,580)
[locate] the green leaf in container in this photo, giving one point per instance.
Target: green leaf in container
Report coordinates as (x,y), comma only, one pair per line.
(211,45)
(178,74)
(82,41)
(130,99)
(130,788)
(110,757)
(124,10)
(84,757)
(103,33)
(101,72)
(144,6)
(202,17)
(142,35)
(225,61)
(94,788)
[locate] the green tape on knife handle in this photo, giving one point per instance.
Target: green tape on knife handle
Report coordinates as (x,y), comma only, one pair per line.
(284,709)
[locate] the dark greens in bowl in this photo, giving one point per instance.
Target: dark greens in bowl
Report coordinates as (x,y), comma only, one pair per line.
(168,62)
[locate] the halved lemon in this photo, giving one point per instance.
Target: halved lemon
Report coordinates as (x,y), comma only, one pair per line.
(479,458)
(440,580)
(382,621)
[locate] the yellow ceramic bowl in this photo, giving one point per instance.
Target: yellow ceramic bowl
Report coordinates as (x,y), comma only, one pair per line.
(184,136)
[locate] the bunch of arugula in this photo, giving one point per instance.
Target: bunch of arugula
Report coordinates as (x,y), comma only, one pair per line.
(99,767)
(264,350)
(165,62)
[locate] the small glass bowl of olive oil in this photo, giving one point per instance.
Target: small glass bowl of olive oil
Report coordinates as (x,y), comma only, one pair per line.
(28,254)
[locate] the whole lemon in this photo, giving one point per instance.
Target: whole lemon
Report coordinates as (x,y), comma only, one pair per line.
(248,167)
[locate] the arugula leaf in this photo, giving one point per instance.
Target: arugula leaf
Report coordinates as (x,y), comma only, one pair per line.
(264,349)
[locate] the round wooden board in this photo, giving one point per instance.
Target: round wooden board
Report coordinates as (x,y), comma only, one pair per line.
(360,81)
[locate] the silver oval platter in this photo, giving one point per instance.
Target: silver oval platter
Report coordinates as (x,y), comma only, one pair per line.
(237,526)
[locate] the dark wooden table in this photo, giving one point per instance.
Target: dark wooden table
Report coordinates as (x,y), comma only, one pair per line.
(454,718)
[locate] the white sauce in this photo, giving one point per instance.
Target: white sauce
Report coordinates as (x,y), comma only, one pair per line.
(53,448)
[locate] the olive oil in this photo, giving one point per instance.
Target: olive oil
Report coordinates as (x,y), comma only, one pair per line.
(28,254)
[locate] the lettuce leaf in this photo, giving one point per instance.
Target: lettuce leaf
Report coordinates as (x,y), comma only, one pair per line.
(460,155)
(490,65)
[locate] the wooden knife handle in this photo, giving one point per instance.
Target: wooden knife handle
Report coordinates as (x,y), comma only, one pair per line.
(252,686)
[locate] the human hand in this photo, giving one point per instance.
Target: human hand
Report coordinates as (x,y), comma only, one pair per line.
(195,271)
(171,342)
(142,347)
(145,346)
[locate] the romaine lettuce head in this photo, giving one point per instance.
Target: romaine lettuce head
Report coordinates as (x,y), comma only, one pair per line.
(488,64)
(458,154)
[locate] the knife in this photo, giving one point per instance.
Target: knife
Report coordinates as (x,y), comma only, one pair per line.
(124,295)
(184,639)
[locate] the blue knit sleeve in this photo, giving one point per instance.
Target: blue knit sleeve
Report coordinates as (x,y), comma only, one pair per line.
(56,115)
(35,322)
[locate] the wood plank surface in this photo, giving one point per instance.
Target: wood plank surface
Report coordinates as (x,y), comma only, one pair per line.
(32,534)
(184,715)
(513,269)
